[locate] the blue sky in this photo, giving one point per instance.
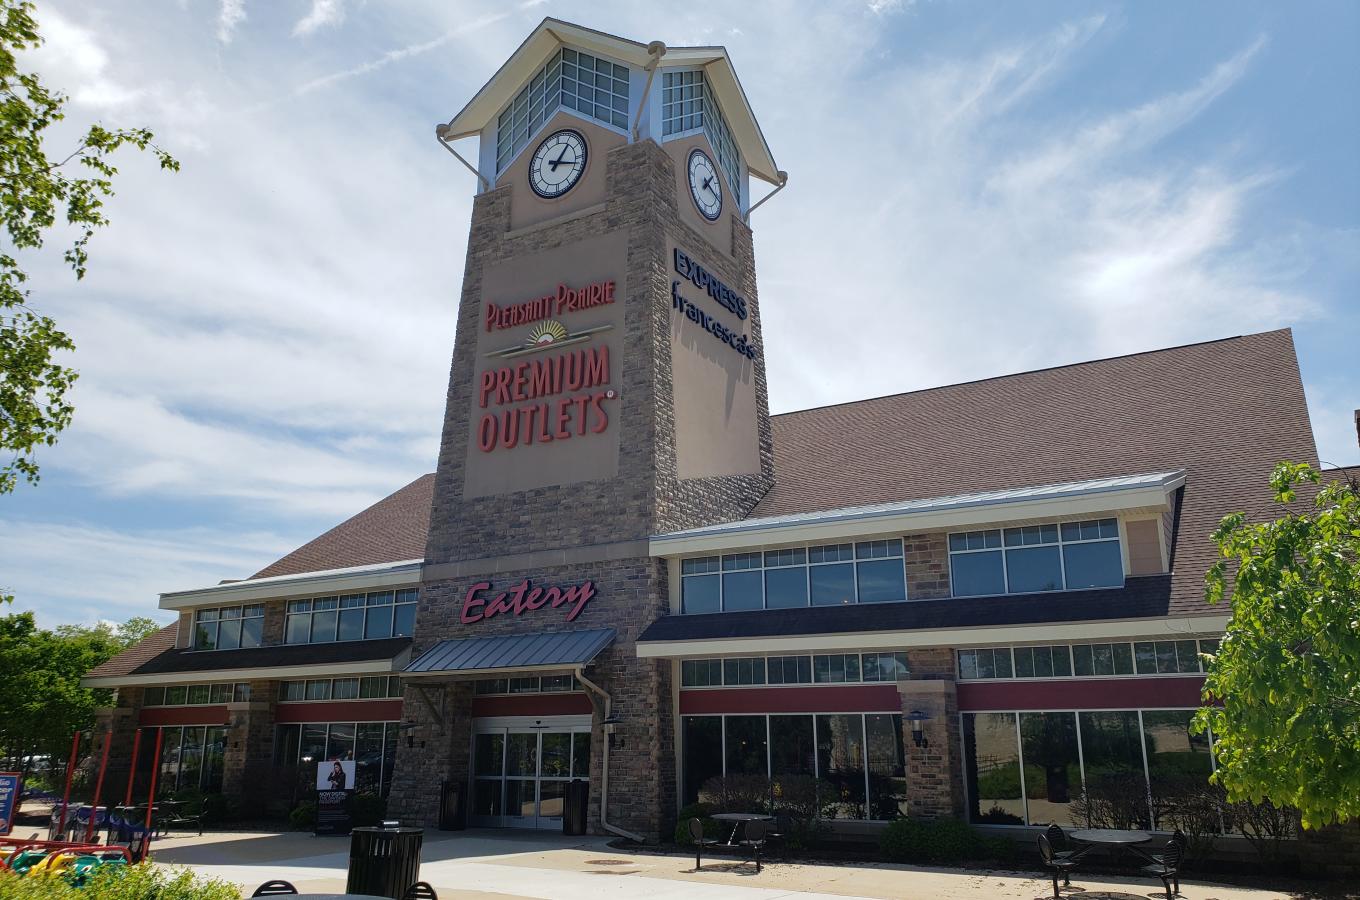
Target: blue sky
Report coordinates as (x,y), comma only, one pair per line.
(975,189)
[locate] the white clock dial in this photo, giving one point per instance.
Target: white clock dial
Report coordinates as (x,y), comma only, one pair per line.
(558,163)
(704,185)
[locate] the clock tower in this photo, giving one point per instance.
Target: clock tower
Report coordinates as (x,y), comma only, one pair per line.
(607,385)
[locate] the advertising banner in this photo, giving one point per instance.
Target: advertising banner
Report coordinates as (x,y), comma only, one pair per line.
(334,788)
(10,787)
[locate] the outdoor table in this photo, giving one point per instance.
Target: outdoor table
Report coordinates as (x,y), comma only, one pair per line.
(738,819)
(1115,839)
(338,897)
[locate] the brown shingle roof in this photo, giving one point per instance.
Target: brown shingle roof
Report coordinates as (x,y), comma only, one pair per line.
(1226,411)
(143,651)
(391,530)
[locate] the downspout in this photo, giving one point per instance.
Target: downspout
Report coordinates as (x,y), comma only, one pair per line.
(604,761)
(657,50)
(439,136)
(783,180)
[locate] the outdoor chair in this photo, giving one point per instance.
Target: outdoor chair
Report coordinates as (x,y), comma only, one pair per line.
(1062,848)
(275,888)
(696,834)
(188,820)
(1058,866)
(783,827)
(1168,866)
(754,838)
(421,890)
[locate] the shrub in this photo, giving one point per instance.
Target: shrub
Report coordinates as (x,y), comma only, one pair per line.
(139,882)
(1266,826)
(999,816)
(1193,805)
(303,816)
(804,802)
(939,841)
(701,811)
(1113,801)
(738,793)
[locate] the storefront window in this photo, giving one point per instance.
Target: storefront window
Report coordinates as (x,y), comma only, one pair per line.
(887,767)
(991,756)
(368,756)
(340,742)
(1112,747)
(1178,762)
(191,759)
(1052,769)
(313,743)
(703,751)
(700,586)
(745,744)
(840,763)
(792,749)
(786,579)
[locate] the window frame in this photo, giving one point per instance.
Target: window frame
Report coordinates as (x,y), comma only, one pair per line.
(297,610)
(1061,543)
(716,564)
(1130,643)
(708,665)
(393,683)
(216,621)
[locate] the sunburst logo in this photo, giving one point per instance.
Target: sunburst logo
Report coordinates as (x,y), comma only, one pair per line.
(546,334)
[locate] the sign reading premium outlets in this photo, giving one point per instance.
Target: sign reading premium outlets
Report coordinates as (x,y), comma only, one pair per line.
(526,397)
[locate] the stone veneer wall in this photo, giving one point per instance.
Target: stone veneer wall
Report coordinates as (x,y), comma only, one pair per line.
(934,772)
(594,530)
(248,771)
(927,559)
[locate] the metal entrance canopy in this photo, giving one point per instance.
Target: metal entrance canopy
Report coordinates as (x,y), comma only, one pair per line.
(499,653)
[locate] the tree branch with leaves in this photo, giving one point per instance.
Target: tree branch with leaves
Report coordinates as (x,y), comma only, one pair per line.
(36,192)
(1285,682)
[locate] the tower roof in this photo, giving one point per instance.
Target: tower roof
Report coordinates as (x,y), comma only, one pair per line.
(483,108)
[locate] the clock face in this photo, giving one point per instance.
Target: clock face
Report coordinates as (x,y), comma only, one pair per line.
(558,163)
(704,185)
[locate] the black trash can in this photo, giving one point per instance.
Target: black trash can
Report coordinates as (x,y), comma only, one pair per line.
(384,861)
(452,812)
(578,804)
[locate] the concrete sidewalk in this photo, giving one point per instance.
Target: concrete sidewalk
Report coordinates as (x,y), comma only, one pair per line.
(486,864)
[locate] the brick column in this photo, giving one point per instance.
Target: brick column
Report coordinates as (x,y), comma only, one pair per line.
(934,772)
(248,771)
(431,751)
(120,722)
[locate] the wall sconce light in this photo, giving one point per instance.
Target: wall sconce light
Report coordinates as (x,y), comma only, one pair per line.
(918,733)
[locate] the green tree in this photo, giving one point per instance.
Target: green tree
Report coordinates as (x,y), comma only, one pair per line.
(35,190)
(41,671)
(1286,676)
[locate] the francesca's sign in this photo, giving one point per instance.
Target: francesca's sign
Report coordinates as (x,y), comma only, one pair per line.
(478,605)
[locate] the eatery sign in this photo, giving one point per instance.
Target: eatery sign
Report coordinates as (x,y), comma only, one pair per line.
(479,604)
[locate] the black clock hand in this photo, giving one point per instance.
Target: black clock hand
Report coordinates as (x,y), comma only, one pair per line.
(557,162)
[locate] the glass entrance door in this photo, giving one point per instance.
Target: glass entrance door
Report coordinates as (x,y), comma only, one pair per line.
(520,775)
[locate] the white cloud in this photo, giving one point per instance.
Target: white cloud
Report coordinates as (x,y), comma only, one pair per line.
(72,573)
(230,13)
(323,13)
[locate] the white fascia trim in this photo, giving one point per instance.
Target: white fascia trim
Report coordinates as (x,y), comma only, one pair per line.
(1048,632)
(355,578)
(837,525)
(367,667)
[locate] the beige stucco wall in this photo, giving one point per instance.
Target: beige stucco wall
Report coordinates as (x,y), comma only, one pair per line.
(526,207)
(719,233)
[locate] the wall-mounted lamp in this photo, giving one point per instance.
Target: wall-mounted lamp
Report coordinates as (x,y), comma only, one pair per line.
(918,732)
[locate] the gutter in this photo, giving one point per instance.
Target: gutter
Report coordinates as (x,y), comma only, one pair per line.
(655,50)
(604,763)
(439,132)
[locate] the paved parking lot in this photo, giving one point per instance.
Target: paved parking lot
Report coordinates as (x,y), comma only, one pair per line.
(498,864)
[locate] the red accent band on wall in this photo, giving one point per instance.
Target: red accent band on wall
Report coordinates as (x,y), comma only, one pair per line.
(154,716)
(338,711)
(533,705)
(829,699)
(1078,693)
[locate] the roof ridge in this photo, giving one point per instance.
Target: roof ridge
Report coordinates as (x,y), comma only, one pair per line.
(1086,362)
